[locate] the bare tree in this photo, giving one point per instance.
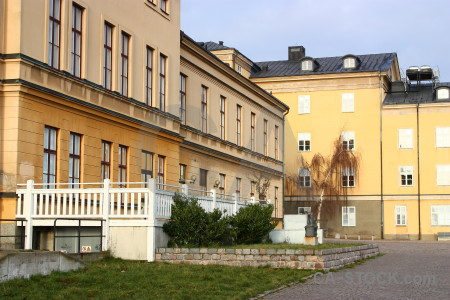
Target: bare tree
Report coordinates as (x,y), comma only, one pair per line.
(327,174)
(262,184)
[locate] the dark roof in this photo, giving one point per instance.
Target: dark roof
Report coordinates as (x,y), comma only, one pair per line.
(416,94)
(212,46)
(326,65)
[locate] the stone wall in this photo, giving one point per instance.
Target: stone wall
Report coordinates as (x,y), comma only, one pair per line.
(285,258)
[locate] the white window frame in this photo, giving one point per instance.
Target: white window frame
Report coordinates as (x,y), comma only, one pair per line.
(304,178)
(304,104)
(401,215)
(348,140)
(306,209)
(348,102)
(442,175)
(305,138)
(406,171)
(307,65)
(349,63)
(442,93)
(442,137)
(440,215)
(405,138)
(348,217)
(347,173)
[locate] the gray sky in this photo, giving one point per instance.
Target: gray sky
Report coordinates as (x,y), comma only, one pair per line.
(417,30)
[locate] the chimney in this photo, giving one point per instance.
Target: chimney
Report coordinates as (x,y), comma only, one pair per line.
(296,53)
(221,43)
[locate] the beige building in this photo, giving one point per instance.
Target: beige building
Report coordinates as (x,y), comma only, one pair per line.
(91,90)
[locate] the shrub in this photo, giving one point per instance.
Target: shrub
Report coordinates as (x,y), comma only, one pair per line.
(253,223)
(191,225)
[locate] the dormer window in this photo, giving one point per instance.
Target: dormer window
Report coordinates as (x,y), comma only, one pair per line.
(350,63)
(442,93)
(307,65)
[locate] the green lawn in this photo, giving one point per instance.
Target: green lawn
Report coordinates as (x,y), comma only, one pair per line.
(119,279)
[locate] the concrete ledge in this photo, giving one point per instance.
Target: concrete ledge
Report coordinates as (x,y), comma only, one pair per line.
(281,258)
(25,264)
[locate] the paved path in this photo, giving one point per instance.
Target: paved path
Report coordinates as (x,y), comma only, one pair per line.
(408,270)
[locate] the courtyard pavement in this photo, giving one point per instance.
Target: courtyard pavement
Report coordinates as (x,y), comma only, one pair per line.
(407,270)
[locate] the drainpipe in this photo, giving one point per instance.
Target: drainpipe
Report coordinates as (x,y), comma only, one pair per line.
(284,160)
(381,155)
(418,168)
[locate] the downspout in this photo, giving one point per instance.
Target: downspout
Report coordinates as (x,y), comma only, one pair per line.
(284,160)
(381,156)
(418,168)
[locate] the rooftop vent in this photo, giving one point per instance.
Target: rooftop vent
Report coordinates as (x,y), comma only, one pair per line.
(398,87)
(221,43)
(426,73)
(413,73)
(296,53)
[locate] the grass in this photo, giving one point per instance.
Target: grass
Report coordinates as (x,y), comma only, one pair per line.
(294,246)
(119,279)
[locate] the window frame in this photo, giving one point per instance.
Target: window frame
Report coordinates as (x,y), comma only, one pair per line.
(105,165)
(50,154)
(77,35)
(349,63)
(442,137)
(404,171)
(304,141)
(304,104)
(204,108)
(122,166)
(304,178)
(75,159)
(161,171)
(164,6)
(440,91)
(222,117)
(348,140)
(147,165)
(348,102)
(183,79)
(436,215)
(203,182)
(348,178)
(345,212)
(403,135)
(238,186)
(222,180)
(306,210)
(266,137)
(238,125)
(162,81)
(276,142)
(401,215)
(252,131)
(54,34)
(307,65)
(444,178)
(108,45)
(183,172)
(149,75)
(124,63)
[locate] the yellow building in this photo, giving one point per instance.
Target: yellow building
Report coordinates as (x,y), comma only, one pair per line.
(91,90)
(416,163)
(334,97)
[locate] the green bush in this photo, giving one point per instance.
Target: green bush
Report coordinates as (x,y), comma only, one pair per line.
(253,223)
(192,226)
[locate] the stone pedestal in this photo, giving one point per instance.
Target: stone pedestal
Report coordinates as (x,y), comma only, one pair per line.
(311,240)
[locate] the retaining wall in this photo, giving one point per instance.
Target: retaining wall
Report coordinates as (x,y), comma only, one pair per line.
(297,259)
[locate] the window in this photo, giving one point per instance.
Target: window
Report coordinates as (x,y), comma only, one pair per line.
(400,215)
(406,175)
(349,63)
(252,188)
(238,186)
(443,175)
(163,5)
(204,108)
(122,166)
(149,77)
(440,215)
(348,140)
(107,57)
(266,141)
(162,82)
(54,33)
(239,69)
(303,210)
(124,64)
(405,138)
(307,65)
(238,125)
(304,104)
(161,168)
(348,102)
(183,98)
(443,137)
(276,142)
(222,183)
(74,159)
(147,166)
(275,202)
(49,165)
(304,142)
(75,53)
(348,216)
(203,178)
(443,93)
(252,131)
(182,173)
(222,117)
(348,177)
(304,177)
(106,160)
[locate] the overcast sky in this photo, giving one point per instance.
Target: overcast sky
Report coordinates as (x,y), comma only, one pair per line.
(417,30)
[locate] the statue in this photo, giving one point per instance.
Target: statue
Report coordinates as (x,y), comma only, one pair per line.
(311,226)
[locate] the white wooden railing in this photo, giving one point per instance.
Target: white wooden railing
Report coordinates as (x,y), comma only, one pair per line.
(146,201)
